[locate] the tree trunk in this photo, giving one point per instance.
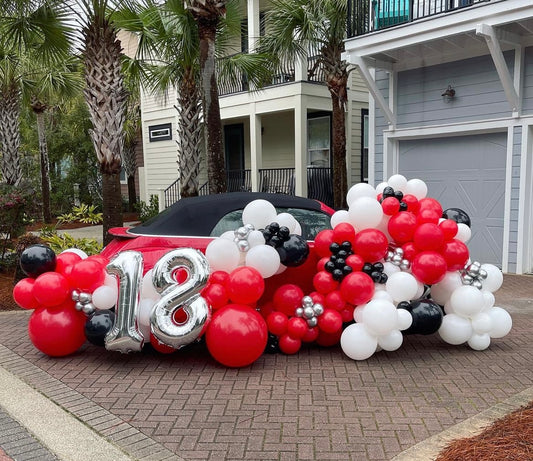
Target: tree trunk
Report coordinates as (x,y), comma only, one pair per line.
(216,168)
(10,136)
(340,175)
(132,194)
(45,164)
(112,204)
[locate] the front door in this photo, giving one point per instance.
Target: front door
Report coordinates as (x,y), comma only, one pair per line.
(234,152)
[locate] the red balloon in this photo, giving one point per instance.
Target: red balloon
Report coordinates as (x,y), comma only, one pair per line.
(449,229)
(329,339)
(288,298)
(343,232)
(219,277)
(245,285)
(310,335)
(277,323)
(215,295)
(236,336)
(57,332)
(87,275)
(330,321)
(324,283)
(297,327)
(335,301)
(402,227)
(266,309)
(456,254)
(357,288)
(23,295)
(347,313)
(409,251)
(412,203)
(65,260)
(391,206)
(322,242)
(321,264)
(356,262)
(427,216)
(289,345)
(159,346)
(50,289)
(371,245)
(99,258)
(429,267)
(428,236)
(431,204)
(318,298)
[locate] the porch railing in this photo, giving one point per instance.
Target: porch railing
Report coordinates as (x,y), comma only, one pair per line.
(366,16)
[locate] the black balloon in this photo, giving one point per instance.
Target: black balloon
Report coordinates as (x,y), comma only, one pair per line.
(272,346)
(457,215)
(294,251)
(427,317)
(37,260)
(98,325)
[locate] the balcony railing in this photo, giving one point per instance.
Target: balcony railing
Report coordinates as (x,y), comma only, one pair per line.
(366,16)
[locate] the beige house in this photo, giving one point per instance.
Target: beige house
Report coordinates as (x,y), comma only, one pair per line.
(275,140)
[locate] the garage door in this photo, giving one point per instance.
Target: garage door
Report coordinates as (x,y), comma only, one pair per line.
(466,172)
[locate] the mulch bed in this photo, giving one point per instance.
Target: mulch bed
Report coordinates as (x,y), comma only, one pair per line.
(509,438)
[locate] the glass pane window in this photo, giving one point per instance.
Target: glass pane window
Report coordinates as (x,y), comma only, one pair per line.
(318,141)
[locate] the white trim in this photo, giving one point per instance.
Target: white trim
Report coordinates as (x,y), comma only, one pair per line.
(524,248)
(372,138)
(507,199)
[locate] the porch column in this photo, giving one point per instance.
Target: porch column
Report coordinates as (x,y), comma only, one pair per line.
(256,149)
(253,25)
(300,147)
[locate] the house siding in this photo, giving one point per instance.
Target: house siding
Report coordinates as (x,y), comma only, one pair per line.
(527,101)
(515,197)
(382,82)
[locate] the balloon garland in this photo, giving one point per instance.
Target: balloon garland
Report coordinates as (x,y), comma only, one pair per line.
(395,263)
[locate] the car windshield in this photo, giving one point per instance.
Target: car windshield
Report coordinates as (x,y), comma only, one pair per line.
(311,221)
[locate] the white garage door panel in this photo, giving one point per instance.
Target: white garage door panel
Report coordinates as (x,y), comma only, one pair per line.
(466,172)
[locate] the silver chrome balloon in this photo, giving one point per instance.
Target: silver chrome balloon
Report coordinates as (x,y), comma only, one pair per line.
(396,257)
(184,296)
(125,335)
(309,311)
(472,274)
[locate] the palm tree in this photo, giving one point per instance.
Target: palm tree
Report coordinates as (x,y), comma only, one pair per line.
(51,83)
(293,28)
(106,98)
(32,32)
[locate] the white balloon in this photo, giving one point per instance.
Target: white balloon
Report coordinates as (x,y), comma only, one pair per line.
(402,286)
(448,309)
(479,342)
(398,182)
(222,255)
(358,313)
(489,299)
(111,281)
(417,187)
(77,251)
(389,268)
(420,290)
(228,235)
(264,258)
(105,297)
(260,213)
(481,323)
(359,190)
(405,319)
(357,343)
(340,217)
(255,238)
(463,232)
(501,322)
(442,291)
(365,213)
(382,294)
(143,317)
(297,229)
(391,341)
(455,329)
(147,287)
(287,220)
(281,269)
(380,188)
(467,301)
(494,279)
(380,316)
(383,226)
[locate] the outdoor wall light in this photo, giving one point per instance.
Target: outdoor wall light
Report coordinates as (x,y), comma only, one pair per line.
(448,94)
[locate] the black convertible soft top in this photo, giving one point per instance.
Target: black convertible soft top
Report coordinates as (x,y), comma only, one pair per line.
(197,216)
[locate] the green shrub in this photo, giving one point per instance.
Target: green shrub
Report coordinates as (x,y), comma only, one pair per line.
(61,242)
(84,213)
(148,211)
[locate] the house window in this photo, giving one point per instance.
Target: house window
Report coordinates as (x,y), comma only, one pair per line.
(161,132)
(364,145)
(318,141)
(123,179)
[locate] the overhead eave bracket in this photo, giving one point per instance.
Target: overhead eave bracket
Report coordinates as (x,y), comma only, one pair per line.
(373,88)
(488,33)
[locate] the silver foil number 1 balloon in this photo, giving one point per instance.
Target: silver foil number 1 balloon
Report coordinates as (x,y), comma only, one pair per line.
(125,336)
(176,296)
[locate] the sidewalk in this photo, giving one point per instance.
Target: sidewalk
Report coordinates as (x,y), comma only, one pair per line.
(315,405)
